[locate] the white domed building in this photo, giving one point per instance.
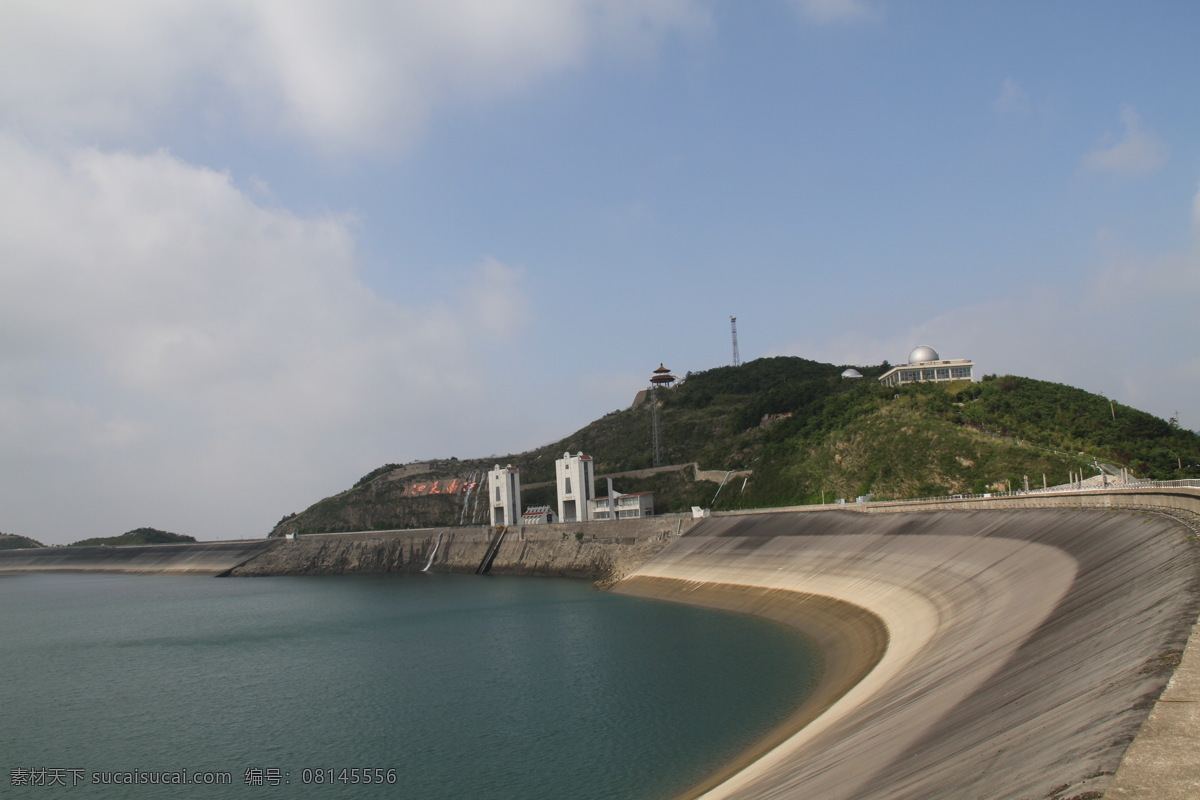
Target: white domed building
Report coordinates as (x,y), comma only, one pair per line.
(925,365)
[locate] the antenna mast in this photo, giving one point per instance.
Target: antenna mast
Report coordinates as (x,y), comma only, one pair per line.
(737,360)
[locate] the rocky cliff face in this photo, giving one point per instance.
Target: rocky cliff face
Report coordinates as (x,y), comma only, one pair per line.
(439,498)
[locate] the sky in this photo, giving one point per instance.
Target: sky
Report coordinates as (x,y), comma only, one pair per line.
(253,249)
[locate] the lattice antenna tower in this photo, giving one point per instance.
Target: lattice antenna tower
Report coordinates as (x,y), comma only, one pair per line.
(737,359)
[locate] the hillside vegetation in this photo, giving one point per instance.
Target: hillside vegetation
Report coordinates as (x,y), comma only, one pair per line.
(136,536)
(10,541)
(806,435)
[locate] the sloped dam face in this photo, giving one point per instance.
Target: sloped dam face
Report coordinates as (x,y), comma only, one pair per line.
(969,654)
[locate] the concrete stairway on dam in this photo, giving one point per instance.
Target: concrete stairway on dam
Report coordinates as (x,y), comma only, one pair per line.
(969,654)
(489,557)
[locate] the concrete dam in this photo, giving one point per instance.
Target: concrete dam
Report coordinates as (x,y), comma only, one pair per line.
(1025,647)
(200,558)
(977,654)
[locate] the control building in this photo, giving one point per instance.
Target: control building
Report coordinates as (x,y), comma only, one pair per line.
(504,494)
(925,365)
(628,506)
(576,487)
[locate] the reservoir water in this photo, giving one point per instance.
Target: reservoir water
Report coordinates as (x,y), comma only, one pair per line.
(429,686)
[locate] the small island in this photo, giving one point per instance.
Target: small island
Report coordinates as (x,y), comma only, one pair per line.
(136,536)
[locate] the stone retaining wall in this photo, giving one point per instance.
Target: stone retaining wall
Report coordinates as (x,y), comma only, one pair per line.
(595,550)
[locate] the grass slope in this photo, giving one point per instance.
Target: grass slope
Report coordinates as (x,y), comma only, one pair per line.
(10,541)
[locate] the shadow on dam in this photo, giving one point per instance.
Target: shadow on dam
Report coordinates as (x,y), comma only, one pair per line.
(969,654)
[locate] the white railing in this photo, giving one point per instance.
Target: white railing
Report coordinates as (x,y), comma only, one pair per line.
(1084,488)
(1190,483)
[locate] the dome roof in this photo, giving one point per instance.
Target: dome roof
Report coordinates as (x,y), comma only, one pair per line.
(922,353)
(851,373)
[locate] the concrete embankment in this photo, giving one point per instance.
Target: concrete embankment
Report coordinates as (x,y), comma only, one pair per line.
(201,558)
(971,654)
(600,551)
(597,551)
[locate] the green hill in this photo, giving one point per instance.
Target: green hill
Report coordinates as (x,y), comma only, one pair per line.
(136,536)
(794,431)
(10,541)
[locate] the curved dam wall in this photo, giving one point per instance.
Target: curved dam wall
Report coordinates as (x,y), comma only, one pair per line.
(970,653)
(201,558)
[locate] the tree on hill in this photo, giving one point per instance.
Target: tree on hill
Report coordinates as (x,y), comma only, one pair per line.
(1070,419)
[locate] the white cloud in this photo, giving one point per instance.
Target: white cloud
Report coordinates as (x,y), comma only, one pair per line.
(1138,152)
(352,74)
(167,341)
(834,11)
(1013,100)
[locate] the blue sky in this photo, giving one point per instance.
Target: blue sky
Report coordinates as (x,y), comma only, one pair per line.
(255,249)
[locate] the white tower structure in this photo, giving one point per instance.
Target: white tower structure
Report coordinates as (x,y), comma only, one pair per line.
(504,493)
(576,487)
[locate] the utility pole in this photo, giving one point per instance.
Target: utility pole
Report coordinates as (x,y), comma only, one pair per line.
(654,425)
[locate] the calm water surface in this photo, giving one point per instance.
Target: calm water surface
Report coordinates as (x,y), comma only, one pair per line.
(460,686)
